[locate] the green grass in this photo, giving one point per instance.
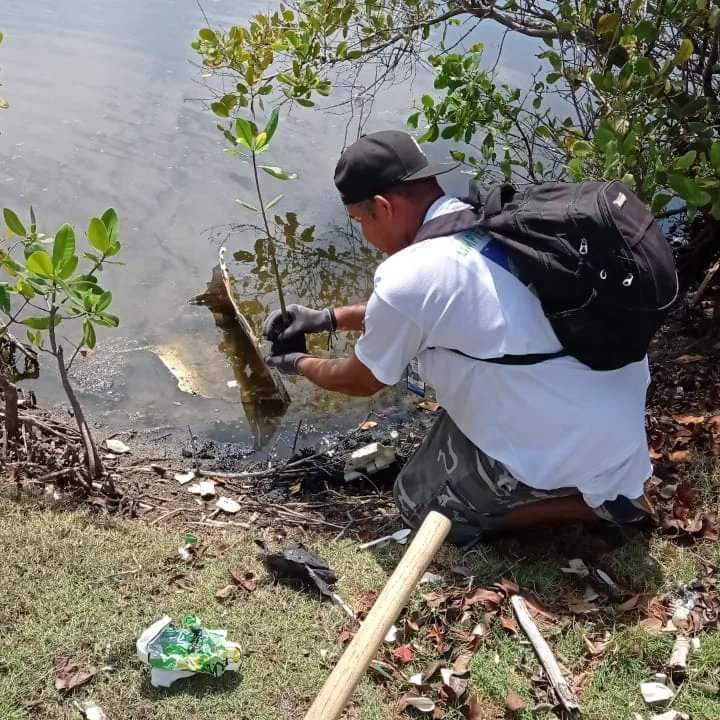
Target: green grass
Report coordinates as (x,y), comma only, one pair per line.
(64,594)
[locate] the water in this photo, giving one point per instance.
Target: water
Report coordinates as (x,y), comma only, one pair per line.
(102,114)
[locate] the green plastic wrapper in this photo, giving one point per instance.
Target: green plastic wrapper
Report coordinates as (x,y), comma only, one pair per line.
(193,648)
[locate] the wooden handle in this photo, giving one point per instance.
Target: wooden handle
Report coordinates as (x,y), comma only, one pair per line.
(342,681)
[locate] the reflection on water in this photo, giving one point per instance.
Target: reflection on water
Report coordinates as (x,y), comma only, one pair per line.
(262,393)
(321,272)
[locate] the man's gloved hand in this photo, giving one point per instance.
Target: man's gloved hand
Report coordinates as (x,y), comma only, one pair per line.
(302,320)
(286,363)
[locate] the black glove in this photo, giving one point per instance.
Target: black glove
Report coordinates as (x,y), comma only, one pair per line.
(285,363)
(301,320)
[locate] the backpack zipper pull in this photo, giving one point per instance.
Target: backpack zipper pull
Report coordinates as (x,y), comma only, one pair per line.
(583,246)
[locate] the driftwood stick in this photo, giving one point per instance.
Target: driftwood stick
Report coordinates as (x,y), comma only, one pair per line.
(564,691)
(709,276)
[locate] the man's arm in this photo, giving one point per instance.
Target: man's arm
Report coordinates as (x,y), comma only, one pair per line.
(350,317)
(346,375)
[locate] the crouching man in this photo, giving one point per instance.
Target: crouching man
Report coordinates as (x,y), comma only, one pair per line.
(517,445)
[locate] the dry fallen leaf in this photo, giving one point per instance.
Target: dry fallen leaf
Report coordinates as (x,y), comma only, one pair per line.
(69,675)
(679,456)
(367,425)
(689,419)
(514,703)
(462,664)
(629,604)
(404,654)
(509,624)
(475,709)
(687,359)
(429,406)
(508,586)
(226,593)
(582,607)
(246,580)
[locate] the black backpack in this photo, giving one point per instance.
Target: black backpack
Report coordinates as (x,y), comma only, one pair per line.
(593,254)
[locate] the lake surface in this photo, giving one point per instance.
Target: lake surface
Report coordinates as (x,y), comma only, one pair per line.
(105,111)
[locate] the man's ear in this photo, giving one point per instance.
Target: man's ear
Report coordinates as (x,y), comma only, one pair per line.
(383,206)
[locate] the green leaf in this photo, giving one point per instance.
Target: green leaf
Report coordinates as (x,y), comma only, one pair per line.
(714,18)
(608,23)
(220,109)
(688,190)
(244,132)
(68,268)
(247,205)
(412,121)
(428,102)
(715,154)
(107,320)
(207,34)
(13,222)
(89,334)
(63,247)
(274,202)
(103,301)
(552,77)
(278,173)
(430,135)
(272,125)
(111,222)
(659,202)
(41,264)
(39,323)
(261,142)
(305,102)
(4,299)
(98,235)
(113,249)
(684,51)
(457,155)
(686,161)
(4,104)
(244,256)
(1,37)
(581,148)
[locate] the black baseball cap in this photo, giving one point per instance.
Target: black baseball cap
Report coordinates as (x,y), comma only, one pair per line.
(378,161)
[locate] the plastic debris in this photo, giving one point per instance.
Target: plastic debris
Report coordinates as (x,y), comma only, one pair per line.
(368,460)
(695,642)
(174,652)
(205,489)
(91,711)
(416,679)
(576,567)
(295,565)
(116,446)
(656,693)
(422,704)
(227,505)
(391,634)
(430,577)
(186,477)
(187,550)
(232,383)
(679,659)
(399,536)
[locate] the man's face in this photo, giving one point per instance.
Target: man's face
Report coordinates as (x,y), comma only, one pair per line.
(379,223)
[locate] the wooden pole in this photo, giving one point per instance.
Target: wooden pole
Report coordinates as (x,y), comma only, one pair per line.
(341,683)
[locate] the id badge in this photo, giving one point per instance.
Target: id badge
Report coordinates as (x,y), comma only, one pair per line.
(415,383)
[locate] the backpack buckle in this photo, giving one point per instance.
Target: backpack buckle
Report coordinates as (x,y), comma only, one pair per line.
(583,250)
(627,282)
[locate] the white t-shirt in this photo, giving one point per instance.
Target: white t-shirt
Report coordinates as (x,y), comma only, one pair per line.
(554,424)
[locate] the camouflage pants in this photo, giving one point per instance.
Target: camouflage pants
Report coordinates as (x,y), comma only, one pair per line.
(450,474)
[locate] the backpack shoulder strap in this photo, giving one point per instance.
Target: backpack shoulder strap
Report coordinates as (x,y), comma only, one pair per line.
(449,224)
